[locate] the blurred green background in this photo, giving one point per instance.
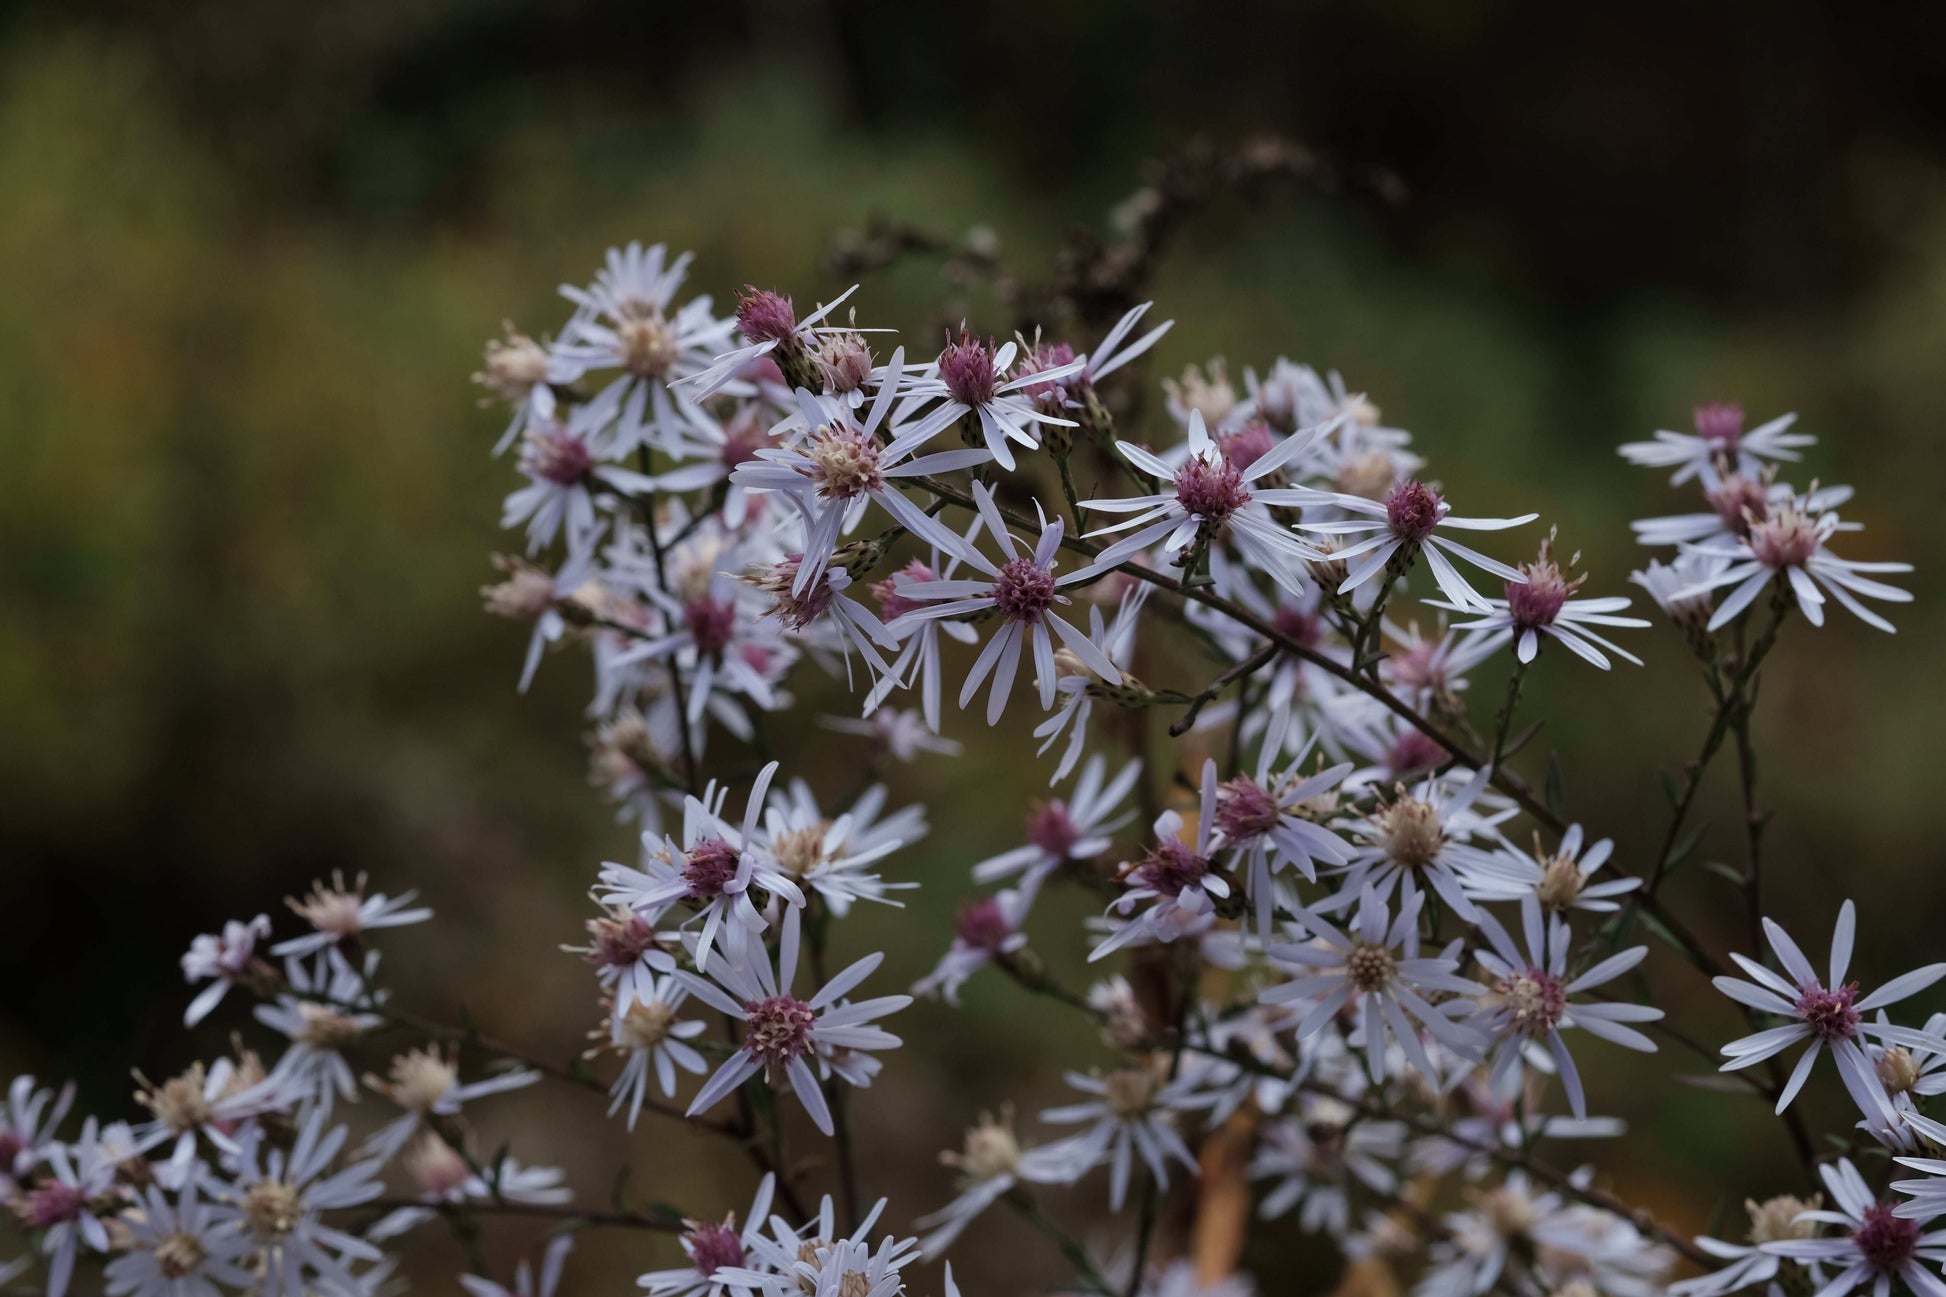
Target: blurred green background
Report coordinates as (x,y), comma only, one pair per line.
(248,256)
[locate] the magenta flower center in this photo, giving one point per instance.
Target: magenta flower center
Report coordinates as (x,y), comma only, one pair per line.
(712,625)
(796,611)
(621,942)
(1412,511)
(1245,810)
(708,868)
(1720,423)
(1052,829)
(763,316)
(1533,1000)
(1831,1014)
(1050,394)
(1171,868)
(1211,490)
(714,1247)
(982,925)
(966,367)
(779,1028)
(1887,1243)
(1024,591)
(559,457)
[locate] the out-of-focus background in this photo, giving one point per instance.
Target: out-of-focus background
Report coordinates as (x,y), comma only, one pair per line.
(249,253)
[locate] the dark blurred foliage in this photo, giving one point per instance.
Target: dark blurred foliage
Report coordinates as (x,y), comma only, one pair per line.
(249,253)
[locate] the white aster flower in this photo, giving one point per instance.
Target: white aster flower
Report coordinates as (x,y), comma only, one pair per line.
(1543,604)
(1825,1013)
(178,1248)
(1179,877)
(1212,496)
(1375,970)
(985,929)
(343,915)
(1410,521)
(970,381)
(1789,546)
(784,1035)
(1024,592)
(1319,1157)
(718,1252)
(1531,1001)
(1558,879)
(1061,831)
(220,958)
(714,873)
(278,1199)
(1719,437)
(1877,1247)
(1133,1114)
(990,1165)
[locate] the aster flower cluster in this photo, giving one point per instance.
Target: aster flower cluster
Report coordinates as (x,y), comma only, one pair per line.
(1354,974)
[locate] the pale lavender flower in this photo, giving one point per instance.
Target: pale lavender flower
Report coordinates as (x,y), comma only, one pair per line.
(835,464)
(1133,1113)
(1789,546)
(1543,604)
(1375,970)
(1418,840)
(1211,496)
(1179,879)
(1060,831)
(784,1035)
(651,1038)
(323,1012)
(564,475)
(1878,1247)
(767,322)
(1411,521)
(969,380)
(718,1252)
(1531,1001)
(27,1125)
(65,1205)
(713,872)
(1825,1013)
(833,856)
(1558,879)
(1319,1158)
(1024,592)
(985,929)
(1261,822)
(342,915)
(1719,436)
(220,958)
(178,1247)
(990,1165)
(425,1084)
(278,1200)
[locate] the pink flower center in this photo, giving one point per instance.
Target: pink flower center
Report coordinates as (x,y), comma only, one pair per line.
(742,440)
(966,367)
(1170,869)
(1412,752)
(1052,829)
(1245,810)
(1887,1243)
(844,463)
(982,925)
(779,1028)
(1540,600)
(1533,1000)
(1831,1014)
(763,316)
(559,457)
(796,611)
(1211,490)
(1247,444)
(714,1247)
(708,868)
(891,603)
(1412,511)
(1049,394)
(53,1203)
(1024,591)
(1738,500)
(712,625)
(1297,624)
(1787,539)
(1720,423)
(620,942)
